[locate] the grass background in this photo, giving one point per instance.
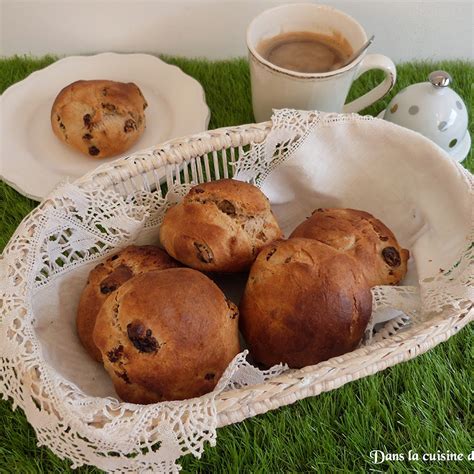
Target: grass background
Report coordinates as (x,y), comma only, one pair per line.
(423,405)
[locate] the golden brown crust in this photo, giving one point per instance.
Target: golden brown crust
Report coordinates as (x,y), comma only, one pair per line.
(304,302)
(361,235)
(107,277)
(246,198)
(99,118)
(219,226)
(167,335)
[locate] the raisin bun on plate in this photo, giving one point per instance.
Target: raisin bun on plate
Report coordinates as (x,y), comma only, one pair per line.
(99,118)
(167,335)
(220,226)
(361,235)
(304,303)
(107,277)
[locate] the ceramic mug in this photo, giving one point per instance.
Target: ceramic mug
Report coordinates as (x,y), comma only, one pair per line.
(274,87)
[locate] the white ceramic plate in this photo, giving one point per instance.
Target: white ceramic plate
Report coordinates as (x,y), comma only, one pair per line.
(33,160)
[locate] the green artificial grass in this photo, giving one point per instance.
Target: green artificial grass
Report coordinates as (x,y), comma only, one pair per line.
(423,405)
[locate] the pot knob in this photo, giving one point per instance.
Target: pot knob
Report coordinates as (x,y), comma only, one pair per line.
(440,79)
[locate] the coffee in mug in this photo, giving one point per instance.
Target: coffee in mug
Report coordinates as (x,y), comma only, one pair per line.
(335,35)
(306,51)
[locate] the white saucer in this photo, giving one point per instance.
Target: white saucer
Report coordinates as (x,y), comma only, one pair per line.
(460,152)
(33,160)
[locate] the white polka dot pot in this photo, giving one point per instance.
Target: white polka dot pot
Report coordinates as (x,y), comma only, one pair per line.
(434,110)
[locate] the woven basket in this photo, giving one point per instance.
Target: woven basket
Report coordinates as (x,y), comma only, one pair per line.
(211,155)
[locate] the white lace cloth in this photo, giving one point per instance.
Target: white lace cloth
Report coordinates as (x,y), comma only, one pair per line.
(307,161)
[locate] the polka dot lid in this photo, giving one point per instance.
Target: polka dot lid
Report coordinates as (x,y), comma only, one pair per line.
(434,110)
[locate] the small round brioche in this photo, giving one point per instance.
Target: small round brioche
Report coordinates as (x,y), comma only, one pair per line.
(304,302)
(99,118)
(167,335)
(383,260)
(107,277)
(220,226)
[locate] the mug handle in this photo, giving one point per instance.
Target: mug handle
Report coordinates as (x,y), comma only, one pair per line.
(373,61)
